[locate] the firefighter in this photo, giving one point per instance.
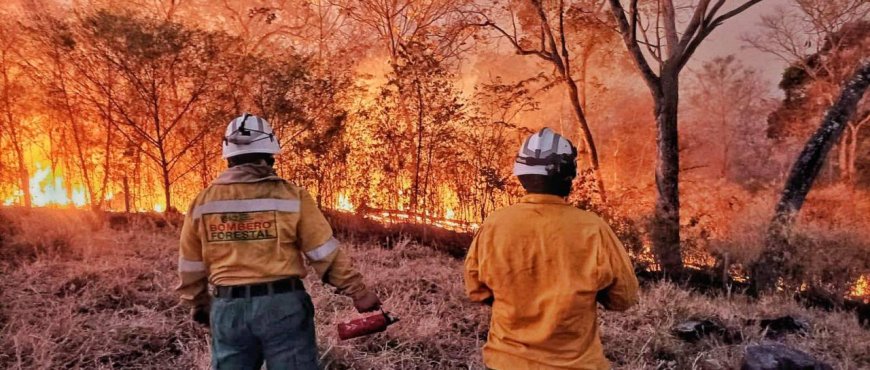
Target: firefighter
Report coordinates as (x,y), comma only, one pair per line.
(247,234)
(542,265)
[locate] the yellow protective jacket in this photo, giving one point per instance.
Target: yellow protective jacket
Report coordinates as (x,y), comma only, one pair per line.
(543,264)
(251,226)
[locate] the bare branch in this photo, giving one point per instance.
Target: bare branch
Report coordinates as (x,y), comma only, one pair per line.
(697,20)
(707,27)
(551,41)
(740,9)
(671,37)
(512,39)
(629,36)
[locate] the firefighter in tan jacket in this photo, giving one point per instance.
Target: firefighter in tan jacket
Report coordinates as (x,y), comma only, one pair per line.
(247,234)
(543,264)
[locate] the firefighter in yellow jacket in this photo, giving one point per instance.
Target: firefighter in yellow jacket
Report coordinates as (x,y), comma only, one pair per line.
(247,234)
(543,264)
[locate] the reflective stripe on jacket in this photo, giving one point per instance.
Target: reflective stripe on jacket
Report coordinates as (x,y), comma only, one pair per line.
(542,262)
(250,231)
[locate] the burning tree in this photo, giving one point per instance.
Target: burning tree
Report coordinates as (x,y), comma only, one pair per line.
(538,28)
(821,41)
(13,127)
(306,106)
(165,74)
(397,24)
(72,104)
(668,51)
(416,117)
(774,259)
(494,130)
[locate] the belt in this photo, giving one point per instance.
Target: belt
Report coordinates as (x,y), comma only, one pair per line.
(287,285)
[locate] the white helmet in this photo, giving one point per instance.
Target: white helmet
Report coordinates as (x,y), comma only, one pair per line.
(249,134)
(546,153)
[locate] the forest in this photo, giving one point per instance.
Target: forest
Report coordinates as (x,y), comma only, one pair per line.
(412,111)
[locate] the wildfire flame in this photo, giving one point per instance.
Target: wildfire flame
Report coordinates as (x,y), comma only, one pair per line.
(861,289)
(47,189)
(400,215)
(344,204)
(50,188)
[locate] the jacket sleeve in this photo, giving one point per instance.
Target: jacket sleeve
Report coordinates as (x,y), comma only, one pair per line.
(324,252)
(620,292)
(192,270)
(476,289)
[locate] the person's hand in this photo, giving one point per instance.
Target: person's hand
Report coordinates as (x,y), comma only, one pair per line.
(200,315)
(366,301)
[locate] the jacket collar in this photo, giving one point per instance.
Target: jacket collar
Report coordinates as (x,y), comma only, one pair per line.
(543,199)
(247,173)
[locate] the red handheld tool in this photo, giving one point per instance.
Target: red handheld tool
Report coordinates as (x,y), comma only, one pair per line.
(365,325)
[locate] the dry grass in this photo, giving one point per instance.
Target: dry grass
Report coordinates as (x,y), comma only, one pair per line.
(94,297)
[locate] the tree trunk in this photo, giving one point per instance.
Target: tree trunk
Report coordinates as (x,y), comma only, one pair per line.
(107,165)
(23,171)
(80,155)
(584,73)
(853,153)
(126,194)
(164,172)
(725,162)
(726,151)
(426,204)
(588,141)
(204,175)
(843,158)
(76,127)
(68,169)
(666,223)
(772,263)
(23,176)
(135,195)
(416,193)
(12,129)
(318,178)
(166,192)
(562,62)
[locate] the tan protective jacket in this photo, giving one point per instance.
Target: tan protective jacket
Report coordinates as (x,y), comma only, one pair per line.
(251,226)
(543,262)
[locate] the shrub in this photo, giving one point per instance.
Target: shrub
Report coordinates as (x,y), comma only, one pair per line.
(830,240)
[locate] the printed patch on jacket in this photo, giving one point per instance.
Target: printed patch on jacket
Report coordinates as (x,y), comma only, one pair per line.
(240,227)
